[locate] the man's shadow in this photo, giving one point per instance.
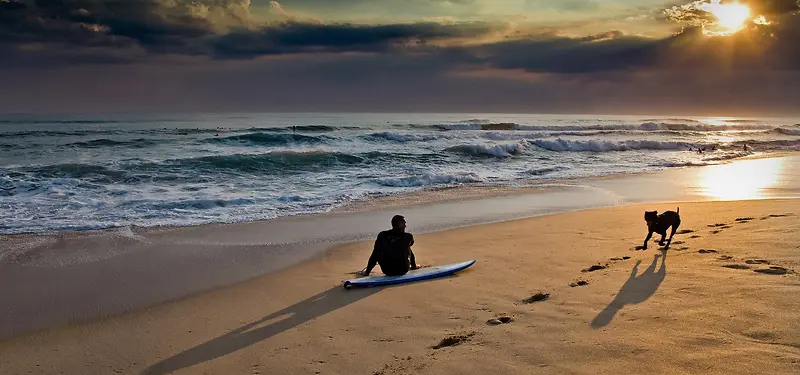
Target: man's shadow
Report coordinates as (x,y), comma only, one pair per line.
(262,329)
(636,289)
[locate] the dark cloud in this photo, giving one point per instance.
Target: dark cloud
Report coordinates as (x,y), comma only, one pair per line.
(301,38)
(564,5)
(156,25)
(772,7)
(216,28)
(558,54)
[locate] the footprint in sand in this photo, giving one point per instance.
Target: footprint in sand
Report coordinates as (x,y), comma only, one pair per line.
(695,236)
(500,320)
(716,231)
(620,258)
(737,266)
(743,219)
(685,231)
(776,215)
(578,283)
(725,257)
(717,225)
(538,297)
(756,261)
(707,251)
(453,340)
(595,267)
(773,270)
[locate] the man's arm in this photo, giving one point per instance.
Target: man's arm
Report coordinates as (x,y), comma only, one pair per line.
(411,257)
(373,258)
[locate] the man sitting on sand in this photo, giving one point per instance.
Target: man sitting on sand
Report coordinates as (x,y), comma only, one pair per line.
(393,250)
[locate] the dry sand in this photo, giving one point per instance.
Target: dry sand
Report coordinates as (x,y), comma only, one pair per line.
(678,312)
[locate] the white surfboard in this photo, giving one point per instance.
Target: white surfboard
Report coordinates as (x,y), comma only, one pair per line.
(413,275)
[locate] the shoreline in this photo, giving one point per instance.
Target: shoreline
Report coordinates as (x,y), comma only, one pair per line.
(616,323)
(151,267)
(424,195)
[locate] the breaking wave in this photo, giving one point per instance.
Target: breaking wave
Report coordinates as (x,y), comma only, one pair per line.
(491,150)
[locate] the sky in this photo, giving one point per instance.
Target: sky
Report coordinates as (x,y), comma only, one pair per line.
(703,57)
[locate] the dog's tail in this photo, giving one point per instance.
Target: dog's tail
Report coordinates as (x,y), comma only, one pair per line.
(679,210)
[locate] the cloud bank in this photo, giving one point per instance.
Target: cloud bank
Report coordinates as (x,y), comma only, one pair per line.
(231,42)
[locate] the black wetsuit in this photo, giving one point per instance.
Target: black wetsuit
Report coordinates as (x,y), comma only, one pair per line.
(393,252)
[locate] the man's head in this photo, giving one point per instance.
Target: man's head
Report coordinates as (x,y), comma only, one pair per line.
(399,223)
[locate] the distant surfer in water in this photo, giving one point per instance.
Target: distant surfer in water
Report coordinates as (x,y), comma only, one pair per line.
(392,250)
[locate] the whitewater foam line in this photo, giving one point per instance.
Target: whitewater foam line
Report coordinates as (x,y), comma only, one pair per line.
(646,126)
(429,179)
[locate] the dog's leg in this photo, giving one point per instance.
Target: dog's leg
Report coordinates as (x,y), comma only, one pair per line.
(646,240)
(672,234)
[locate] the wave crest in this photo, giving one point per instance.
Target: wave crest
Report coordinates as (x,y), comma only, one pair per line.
(269,139)
(103,142)
(788,131)
(302,128)
(277,162)
(406,137)
(563,145)
(502,150)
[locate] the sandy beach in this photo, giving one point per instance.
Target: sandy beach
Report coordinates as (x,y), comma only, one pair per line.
(194,186)
(723,299)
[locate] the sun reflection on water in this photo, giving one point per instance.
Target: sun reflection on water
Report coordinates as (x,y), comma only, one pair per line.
(746,179)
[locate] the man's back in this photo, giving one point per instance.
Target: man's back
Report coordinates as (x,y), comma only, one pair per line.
(392,251)
(394,245)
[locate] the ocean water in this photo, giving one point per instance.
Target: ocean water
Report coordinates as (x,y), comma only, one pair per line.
(61,173)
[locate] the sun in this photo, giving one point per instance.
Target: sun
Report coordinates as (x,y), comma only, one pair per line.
(731,17)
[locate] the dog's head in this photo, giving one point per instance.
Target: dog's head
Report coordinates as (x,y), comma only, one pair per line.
(650,216)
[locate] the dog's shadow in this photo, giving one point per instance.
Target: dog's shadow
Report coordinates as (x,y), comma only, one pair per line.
(636,289)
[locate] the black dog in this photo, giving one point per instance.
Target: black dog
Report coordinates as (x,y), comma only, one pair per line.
(660,223)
